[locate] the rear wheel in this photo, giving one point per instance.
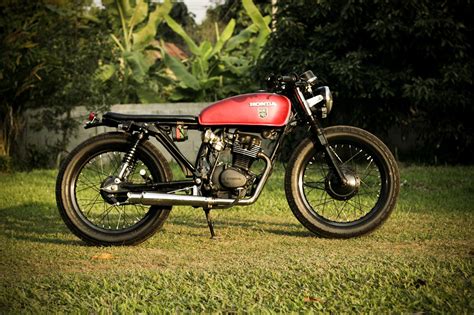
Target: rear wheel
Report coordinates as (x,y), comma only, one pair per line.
(88,212)
(329,208)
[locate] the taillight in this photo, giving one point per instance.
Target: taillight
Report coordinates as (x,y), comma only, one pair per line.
(91,116)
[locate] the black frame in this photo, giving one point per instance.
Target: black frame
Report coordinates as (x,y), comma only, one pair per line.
(159,130)
(159,127)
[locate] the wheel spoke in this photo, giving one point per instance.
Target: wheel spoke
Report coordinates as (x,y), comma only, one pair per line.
(324,203)
(97,210)
(89,182)
(351,159)
(92,204)
(93,187)
(315,185)
(330,206)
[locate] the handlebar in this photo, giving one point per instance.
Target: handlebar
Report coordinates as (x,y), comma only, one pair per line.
(292,78)
(307,77)
(276,82)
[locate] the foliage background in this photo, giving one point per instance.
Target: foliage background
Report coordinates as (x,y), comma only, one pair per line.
(389,63)
(48,59)
(393,66)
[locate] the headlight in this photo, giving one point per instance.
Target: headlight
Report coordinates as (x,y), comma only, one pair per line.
(329,100)
(321,101)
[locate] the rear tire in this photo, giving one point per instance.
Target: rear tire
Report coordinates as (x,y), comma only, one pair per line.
(82,206)
(333,211)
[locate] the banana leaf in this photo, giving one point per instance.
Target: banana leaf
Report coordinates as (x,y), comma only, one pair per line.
(257,44)
(140,13)
(126,7)
(224,37)
(256,16)
(149,93)
(185,78)
(206,50)
(139,65)
(181,32)
(105,72)
(209,83)
(147,33)
(199,68)
(243,37)
(237,66)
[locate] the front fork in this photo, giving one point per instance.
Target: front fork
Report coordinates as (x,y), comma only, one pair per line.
(319,139)
(331,158)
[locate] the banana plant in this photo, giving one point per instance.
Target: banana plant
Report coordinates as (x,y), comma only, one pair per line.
(197,77)
(243,49)
(137,29)
(215,71)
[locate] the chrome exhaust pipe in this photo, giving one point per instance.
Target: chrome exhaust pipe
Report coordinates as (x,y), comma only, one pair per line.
(150,198)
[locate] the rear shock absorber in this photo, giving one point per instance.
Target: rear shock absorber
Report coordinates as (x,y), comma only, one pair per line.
(128,162)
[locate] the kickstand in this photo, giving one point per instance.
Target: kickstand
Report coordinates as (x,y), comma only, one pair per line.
(209,222)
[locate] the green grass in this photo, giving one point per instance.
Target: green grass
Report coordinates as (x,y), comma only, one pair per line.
(421,260)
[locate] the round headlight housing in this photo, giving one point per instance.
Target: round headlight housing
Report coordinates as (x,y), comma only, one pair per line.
(322,101)
(329,100)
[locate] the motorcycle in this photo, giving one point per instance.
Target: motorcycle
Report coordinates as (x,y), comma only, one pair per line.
(117,189)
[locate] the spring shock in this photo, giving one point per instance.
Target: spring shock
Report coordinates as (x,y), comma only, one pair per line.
(128,162)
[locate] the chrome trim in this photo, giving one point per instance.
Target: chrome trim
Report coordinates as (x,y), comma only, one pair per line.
(150,198)
(313,79)
(306,106)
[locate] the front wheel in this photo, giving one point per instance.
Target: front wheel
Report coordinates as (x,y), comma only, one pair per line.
(331,209)
(93,216)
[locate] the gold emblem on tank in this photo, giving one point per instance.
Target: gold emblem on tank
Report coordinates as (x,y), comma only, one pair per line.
(262,112)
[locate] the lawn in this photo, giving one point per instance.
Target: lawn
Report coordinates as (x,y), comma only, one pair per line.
(421,260)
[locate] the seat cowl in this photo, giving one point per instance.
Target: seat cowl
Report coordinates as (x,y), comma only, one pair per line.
(150,118)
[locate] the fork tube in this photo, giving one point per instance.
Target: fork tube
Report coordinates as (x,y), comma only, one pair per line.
(320,138)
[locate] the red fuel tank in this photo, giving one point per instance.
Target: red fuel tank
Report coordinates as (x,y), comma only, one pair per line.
(254,109)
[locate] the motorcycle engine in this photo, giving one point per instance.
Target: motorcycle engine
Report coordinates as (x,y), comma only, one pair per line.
(231,157)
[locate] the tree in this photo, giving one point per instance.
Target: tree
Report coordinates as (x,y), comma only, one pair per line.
(48,58)
(180,13)
(220,14)
(134,26)
(406,63)
(69,39)
(222,67)
(20,70)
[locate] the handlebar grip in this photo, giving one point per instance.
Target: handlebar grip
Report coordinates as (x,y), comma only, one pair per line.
(289,78)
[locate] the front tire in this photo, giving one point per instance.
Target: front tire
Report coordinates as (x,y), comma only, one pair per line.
(329,209)
(85,210)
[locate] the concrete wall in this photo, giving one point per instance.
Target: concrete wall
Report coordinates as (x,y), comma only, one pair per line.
(42,138)
(398,141)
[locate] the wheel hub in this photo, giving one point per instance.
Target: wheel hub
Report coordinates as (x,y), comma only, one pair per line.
(339,190)
(109,188)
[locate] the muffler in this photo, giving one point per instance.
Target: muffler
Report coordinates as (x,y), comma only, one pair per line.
(151,198)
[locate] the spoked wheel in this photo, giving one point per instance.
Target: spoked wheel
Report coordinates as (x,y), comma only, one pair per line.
(331,208)
(94,215)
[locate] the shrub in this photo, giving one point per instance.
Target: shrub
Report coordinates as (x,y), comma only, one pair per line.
(389,63)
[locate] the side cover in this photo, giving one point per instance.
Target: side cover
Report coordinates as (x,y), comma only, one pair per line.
(255,109)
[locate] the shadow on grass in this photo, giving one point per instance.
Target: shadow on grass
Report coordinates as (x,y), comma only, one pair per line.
(34,222)
(41,223)
(286,229)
